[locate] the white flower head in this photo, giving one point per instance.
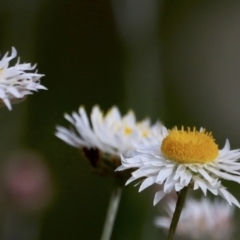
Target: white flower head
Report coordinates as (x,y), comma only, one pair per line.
(111,133)
(183,158)
(17,81)
(201,219)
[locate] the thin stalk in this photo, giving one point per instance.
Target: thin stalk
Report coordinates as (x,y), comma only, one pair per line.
(111,213)
(179,206)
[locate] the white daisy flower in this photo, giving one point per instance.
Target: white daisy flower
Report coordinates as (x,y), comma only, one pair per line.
(201,219)
(17,81)
(110,134)
(183,158)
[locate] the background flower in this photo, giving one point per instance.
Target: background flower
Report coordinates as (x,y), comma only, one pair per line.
(201,219)
(17,81)
(104,137)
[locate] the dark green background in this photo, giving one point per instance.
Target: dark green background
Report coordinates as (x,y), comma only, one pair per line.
(77,44)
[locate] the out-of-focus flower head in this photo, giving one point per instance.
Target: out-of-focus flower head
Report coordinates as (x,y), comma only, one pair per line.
(201,219)
(183,158)
(16,82)
(26,182)
(103,137)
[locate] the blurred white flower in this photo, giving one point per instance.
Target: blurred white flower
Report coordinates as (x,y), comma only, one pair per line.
(201,219)
(108,135)
(183,158)
(17,81)
(112,133)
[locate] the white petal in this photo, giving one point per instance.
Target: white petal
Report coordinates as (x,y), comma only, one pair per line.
(225,194)
(186,177)
(158,197)
(131,179)
(196,186)
(224,175)
(14,92)
(147,182)
(180,170)
(7,103)
(2,93)
(179,187)
(226,146)
(205,174)
(163,174)
(145,171)
(169,184)
(234,200)
(213,190)
(202,185)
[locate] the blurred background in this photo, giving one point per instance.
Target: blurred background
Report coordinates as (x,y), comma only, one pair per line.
(177,61)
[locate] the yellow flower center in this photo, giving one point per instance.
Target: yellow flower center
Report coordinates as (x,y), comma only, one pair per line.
(128,131)
(145,133)
(189,146)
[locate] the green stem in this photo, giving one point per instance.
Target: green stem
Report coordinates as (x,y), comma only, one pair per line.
(179,206)
(111,213)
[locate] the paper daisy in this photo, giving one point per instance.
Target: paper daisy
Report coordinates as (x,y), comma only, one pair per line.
(201,219)
(183,158)
(17,81)
(105,135)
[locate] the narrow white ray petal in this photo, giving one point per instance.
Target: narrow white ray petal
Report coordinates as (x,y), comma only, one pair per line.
(145,171)
(136,184)
(158,197)
(205,174)
(69,118)
(120,168)
(230,168)
(14,52)
(7,103)
(84,117)
(231,157)
(131,179)
(164,131)
(225,194)
(14,91)
(224,175)
(193,168)
(186,178)
(66,139)
(196,186)
(169,184)
(202,185)
(213,190)
(134,159)
(226,146)
(180,170)
(158,163)
(234,200)
(2,93)
(179,187)
(41,87)
(147,182)
(163,174)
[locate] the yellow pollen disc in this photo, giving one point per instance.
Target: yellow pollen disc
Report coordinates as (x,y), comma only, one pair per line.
(128,130)
(189,146)
(145,133)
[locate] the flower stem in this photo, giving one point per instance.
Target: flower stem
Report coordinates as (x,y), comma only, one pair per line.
(111,213)
(179,206)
